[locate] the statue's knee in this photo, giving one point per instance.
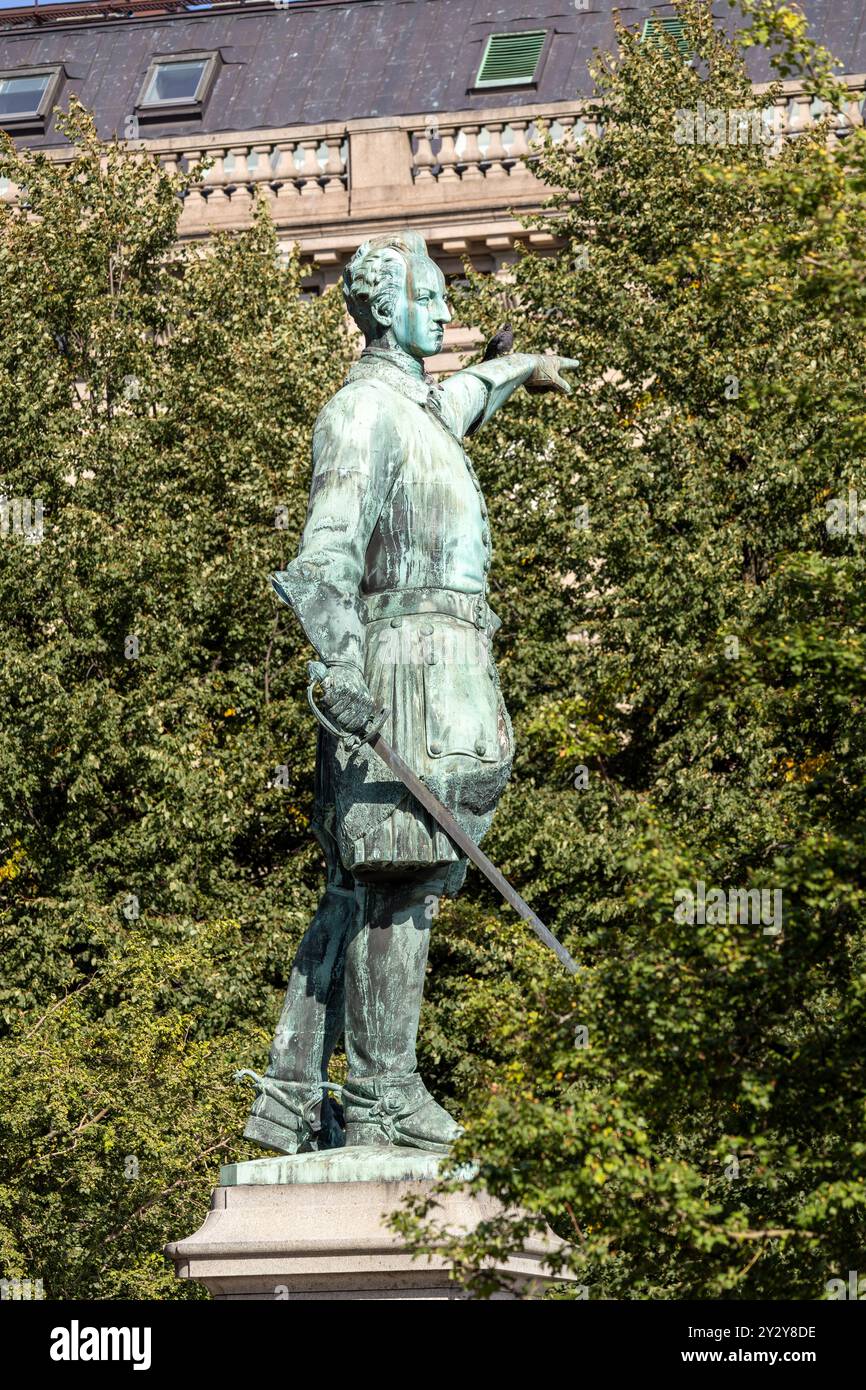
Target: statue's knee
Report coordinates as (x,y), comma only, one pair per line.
(389,898)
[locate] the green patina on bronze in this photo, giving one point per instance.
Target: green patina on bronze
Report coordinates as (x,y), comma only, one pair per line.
(390,586)
(357,1164)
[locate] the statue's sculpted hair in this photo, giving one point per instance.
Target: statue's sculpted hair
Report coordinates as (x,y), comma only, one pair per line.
(375,273)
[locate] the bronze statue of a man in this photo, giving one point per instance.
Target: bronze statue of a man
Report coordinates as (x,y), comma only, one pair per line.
(390,585)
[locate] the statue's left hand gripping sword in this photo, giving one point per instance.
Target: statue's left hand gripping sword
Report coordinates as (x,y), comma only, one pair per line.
(442,816)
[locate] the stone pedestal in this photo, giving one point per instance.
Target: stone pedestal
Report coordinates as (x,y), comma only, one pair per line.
(312,1227)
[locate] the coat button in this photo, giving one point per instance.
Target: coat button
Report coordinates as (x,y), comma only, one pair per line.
(480,748)
(435,748)
(485,537)
(396,622)
(427,630)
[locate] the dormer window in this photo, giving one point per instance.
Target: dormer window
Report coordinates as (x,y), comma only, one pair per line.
(660,32)
(177,86)
(27,96)
(511,60)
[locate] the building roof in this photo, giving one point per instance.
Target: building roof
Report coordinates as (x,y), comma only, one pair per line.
(313,61)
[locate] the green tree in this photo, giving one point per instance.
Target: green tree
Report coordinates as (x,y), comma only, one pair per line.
(683,579)
(160,401)
(155,750)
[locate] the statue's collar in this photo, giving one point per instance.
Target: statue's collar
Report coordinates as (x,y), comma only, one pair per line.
(400,370)
(398,357)
(396,367)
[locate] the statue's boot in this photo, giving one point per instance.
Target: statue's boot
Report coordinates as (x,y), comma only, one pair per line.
(292,1111)
(292,1116)
(391,1109)
(384,1098)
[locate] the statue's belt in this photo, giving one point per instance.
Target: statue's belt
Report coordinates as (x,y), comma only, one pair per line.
(402,603)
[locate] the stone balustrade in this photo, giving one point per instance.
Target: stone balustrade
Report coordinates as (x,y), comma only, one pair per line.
(298,176)
(461,178)
(454,151)
(450,150)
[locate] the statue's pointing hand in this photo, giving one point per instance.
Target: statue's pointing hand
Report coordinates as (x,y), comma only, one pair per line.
(547,375)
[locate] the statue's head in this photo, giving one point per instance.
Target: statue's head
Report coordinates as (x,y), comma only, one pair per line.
(396,294)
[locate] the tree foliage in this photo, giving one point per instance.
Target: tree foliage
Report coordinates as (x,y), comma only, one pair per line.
(155,748)
(688,627)
(681,632)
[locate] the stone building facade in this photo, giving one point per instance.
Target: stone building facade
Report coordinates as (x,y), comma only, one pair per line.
(349,116)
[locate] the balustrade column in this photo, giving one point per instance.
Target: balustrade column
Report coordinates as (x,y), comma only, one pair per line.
(590,124)
(262,175)
(568,124)
(448,157)
(285,176)
(496,150)
(310,170)
(194,202)
(334,164)
(472,155)
(520,148)
(241,198)
(519,143)
(424,159)
(800,117)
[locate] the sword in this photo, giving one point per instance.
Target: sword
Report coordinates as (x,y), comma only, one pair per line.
(442,816)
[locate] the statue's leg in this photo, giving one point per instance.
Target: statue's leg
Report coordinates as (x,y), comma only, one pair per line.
(385,1099)
(291,1110)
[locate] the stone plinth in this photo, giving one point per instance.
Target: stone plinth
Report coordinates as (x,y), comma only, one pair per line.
(312,1226)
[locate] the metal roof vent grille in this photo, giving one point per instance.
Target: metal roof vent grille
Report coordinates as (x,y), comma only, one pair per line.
(510,58)
(657,31)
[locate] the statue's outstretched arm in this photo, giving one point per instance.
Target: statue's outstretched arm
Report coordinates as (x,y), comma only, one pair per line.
(477,392)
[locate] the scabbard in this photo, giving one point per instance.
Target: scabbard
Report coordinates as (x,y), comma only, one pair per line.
(455,832)
(442,816)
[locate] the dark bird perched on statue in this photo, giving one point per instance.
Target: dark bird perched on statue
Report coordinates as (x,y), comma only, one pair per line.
(499,344)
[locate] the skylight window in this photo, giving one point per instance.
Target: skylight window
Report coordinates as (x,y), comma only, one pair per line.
(511,59)
(178,85)
(26,96)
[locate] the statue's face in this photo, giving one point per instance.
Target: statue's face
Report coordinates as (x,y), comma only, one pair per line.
(420,312)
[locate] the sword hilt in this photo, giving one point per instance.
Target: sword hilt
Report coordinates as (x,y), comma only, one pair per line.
(317,671)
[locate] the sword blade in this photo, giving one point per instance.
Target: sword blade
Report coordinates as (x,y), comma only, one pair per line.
(444,818)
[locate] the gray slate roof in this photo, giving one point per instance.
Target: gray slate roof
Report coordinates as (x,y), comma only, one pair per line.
(342,59)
